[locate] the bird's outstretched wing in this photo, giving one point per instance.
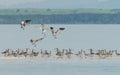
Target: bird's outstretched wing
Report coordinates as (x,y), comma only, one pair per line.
(61,28)
(27,21)
(35,41)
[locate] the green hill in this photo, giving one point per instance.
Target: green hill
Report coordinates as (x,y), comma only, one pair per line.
(31,11)
(61,16)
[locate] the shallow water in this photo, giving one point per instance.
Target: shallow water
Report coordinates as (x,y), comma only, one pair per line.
(104,67)
(75,37)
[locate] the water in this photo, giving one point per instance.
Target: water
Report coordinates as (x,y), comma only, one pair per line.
(75,37)
(81,68)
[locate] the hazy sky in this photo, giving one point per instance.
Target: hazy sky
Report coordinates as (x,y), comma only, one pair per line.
(71,4)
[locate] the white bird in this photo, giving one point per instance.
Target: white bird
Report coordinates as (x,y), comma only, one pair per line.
(24,23)
(35,41)
(43,28)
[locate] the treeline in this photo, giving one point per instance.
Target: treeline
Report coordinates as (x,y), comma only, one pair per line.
(81,18)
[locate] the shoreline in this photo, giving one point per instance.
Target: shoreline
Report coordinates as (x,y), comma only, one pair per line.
(10,58)
(59,58)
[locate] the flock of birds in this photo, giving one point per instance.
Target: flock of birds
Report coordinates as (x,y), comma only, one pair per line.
(43,29)
(102,54)
(58,53)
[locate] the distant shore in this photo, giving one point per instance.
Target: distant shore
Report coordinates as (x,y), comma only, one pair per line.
(60,16)
(57,58)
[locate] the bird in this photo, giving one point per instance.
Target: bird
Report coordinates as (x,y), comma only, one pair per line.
(24,23)
(55,31)
(5,52)
(34,53)
(35,41)
(43,28)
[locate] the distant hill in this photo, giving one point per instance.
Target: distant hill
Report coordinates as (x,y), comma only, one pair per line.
(34,11)
(61,16)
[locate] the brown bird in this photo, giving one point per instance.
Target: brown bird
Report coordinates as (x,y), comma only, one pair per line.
(35,41)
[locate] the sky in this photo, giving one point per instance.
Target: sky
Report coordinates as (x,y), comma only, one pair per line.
(61,4)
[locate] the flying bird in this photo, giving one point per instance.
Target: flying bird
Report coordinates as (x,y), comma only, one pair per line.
(55,31)
(43,28)
(33,42)
(24,23)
